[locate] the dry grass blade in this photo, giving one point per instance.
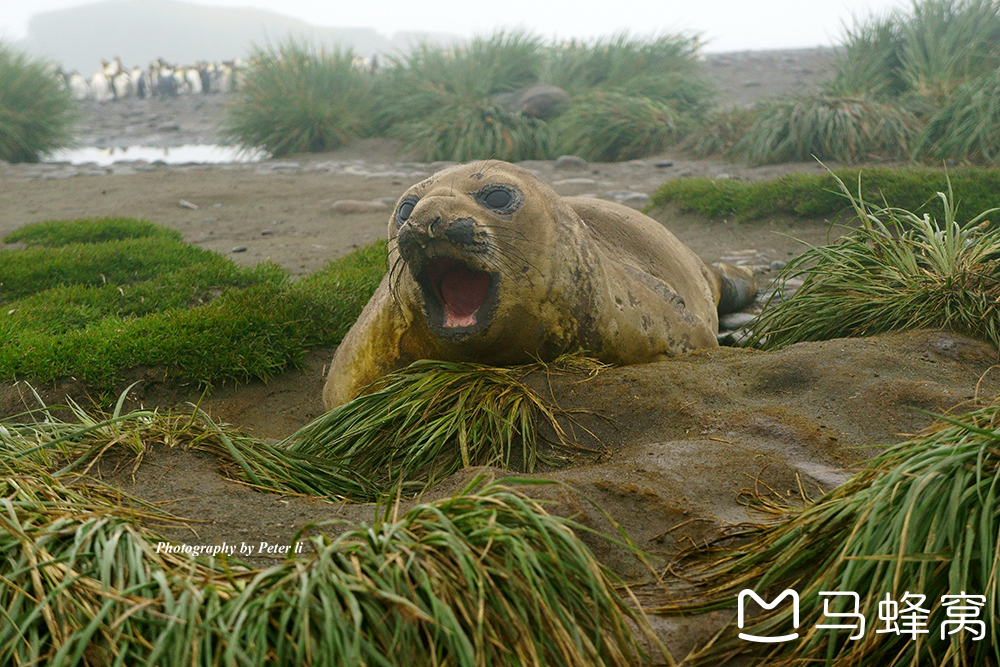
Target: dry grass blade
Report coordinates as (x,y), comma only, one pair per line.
(485,577)
(76,446)
(425,422)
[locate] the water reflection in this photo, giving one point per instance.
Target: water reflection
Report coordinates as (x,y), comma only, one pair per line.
(190,153)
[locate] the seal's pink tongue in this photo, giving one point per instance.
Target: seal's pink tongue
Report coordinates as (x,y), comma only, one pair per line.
(462,292)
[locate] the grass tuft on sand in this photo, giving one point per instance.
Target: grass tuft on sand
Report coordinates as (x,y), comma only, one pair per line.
(920,520)
(484,577)
(36,109)
(897,271)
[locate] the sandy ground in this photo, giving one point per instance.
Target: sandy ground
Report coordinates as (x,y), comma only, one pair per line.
(686,436)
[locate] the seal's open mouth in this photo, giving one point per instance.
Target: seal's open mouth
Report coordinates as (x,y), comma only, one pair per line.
(457,295)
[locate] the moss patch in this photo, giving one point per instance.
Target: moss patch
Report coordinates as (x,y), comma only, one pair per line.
(818,195)
(92,299)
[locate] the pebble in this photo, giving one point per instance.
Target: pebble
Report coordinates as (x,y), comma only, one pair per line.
(574,181)
(350,206)
(733,321)
(778,265)
(571,162)
(183,203)
(239,248)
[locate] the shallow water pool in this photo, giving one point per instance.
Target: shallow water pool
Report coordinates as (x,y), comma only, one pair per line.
(187,154)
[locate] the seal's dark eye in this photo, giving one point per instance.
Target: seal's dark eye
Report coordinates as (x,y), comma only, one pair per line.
(405,209)
(502,199)
(498,199)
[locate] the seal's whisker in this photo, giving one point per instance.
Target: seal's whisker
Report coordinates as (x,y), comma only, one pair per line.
(514,255)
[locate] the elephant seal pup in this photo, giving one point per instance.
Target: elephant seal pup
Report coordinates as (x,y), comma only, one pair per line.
(488,264)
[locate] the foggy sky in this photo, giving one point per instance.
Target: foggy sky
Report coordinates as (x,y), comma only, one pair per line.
(726,25)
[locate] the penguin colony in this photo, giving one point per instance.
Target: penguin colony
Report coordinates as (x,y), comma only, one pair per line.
(161,79)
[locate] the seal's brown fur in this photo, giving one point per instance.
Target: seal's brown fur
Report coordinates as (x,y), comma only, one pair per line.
(489,264)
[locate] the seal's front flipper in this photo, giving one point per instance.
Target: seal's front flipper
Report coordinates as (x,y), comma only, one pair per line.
(737,287)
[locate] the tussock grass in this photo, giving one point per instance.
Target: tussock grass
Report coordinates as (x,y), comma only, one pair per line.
(430,78)
(78,305)
(36,112)
(466,131)
(870,59)
(819,195)
(850,130)
(613,127)
(484,577)
(419,426)
(297,99)
(423,423)
(920,518)
(661,68)
(720,131)
(967,127)
(43,441)
(441,101)
(949,42)
(898,271)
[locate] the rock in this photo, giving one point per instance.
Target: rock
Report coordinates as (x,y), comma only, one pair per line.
(352,206)
(571,162)
(636,199)
(183,203)
(239,248)
(574,181)
(540,100)
(778,265)
(732,321)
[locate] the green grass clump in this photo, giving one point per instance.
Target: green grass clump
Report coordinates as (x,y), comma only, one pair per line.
(967,127)
(36,111)
(484,577)
(819,195)
(423,423)
(88,230)
(297,99)
(430,78)
(441,101)
(719,131)
(947,43)
(95,309)
(612,127)
(870,60)
(32,270)
(894,72)
(664,69)
(466,131)
(898,271)
(921,518)
(850,130)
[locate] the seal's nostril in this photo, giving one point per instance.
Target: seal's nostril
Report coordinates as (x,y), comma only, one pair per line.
(430,226)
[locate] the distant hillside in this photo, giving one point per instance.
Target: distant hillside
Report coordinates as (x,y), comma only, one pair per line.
(180,32)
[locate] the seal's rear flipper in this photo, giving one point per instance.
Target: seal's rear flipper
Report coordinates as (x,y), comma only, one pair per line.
(737,288)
